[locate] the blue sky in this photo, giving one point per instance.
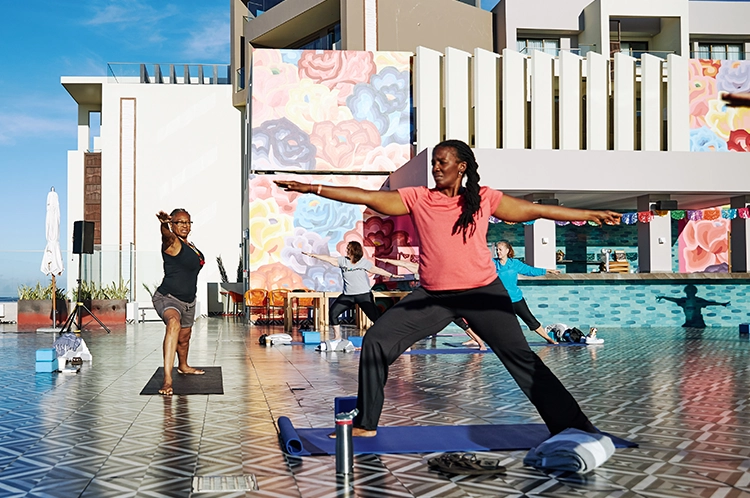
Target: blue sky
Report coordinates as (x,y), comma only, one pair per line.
(43,40)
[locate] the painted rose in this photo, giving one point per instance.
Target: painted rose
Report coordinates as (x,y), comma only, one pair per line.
(280,145)
(386,102)
(267,227)
(379,233)
(734,76)
(739,141)
(323,277)
(344,146)
(702,90)
(722,119)
(703,139)
(329,219)
(262,187)
(301,241)
(275,276)
(388,158)
(708,67)
(272,80)
(337,69)
(400,61)
(702,244)
(311,103)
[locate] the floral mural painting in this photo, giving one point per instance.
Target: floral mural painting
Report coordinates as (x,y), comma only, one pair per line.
(704,246)
(715,126)
(326,112)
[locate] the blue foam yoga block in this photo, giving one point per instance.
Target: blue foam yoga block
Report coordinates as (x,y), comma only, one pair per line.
(310,337)
(47,354)
(745,328)
(46,366)
(344,404)
(356,340)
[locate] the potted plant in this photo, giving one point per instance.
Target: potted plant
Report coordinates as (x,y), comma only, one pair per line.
(107,303)
(35,305)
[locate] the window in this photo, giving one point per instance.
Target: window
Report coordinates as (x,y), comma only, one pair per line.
(547,45)
(634,48)
(257,7)
(722,51)
(327,39)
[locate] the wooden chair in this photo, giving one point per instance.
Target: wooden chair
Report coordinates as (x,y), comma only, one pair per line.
(310,309)
(277,306)
(236,298)
(257,301)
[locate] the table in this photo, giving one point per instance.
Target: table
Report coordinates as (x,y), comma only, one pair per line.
(321,309)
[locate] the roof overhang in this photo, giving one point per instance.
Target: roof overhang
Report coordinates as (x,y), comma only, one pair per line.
(84,90)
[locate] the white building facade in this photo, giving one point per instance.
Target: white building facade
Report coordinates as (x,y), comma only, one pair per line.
(165,142)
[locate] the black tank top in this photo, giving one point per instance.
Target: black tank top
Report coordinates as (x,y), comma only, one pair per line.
(181,273)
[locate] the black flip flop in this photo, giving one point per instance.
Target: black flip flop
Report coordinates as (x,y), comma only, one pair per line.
(465,464)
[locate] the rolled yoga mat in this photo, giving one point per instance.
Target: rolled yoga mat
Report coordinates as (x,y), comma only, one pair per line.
(290,441)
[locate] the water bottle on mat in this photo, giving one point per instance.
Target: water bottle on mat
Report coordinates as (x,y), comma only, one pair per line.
(344,446)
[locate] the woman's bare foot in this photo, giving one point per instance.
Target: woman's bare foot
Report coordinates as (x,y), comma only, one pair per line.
(166,390)
(483,347)
(470,342)
(190,371)
(357,432)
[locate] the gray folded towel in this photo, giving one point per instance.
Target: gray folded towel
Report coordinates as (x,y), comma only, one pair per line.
(571,450)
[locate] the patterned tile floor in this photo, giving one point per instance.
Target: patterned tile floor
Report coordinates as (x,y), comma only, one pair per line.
(682,395)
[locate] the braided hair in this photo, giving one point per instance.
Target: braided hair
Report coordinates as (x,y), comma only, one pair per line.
(470,194)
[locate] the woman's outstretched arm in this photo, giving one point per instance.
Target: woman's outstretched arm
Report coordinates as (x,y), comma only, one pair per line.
(411,267)
(383,201)
(323,257)
(514,209)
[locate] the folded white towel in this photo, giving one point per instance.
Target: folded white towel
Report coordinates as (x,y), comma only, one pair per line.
(571,450)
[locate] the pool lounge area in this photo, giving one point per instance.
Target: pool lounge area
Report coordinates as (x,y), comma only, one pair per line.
(681,394)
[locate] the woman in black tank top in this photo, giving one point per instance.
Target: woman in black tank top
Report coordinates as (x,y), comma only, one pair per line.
(174,299)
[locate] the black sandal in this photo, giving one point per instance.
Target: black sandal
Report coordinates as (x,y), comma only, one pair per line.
(465,464)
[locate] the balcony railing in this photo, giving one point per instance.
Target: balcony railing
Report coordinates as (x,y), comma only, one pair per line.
(174,74)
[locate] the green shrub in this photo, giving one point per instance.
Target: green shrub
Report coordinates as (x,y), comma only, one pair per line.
(27,293)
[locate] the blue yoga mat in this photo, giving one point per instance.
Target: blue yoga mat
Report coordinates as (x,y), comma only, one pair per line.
(452,350)
(424,439)
(461,346)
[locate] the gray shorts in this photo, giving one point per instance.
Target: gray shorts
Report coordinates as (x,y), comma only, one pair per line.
(186,310)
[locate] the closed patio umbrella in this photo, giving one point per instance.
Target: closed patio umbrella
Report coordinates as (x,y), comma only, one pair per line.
(52,263)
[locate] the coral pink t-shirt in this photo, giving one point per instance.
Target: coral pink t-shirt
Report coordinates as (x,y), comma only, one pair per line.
(445,261)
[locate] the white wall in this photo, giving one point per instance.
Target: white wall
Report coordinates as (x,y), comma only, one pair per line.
(719,18)
(188,155)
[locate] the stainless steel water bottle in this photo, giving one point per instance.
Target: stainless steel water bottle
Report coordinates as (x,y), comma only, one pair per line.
(344,445)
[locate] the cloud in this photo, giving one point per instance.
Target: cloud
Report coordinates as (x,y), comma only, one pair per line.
(210,42)
(129,12)
(16,125)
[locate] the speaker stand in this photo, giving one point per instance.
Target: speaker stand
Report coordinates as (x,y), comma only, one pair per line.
(80,307)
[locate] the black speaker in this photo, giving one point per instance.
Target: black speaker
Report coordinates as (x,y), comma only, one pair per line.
(83,237)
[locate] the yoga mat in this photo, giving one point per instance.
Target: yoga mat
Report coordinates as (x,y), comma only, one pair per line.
(425,439)
(453,350)
(459,345)
(208,383)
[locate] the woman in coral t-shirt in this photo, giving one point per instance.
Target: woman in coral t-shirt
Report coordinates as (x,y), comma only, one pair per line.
(457,278)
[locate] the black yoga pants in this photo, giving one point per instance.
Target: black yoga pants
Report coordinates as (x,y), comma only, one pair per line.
(489,312)
(521,309)
(345,302)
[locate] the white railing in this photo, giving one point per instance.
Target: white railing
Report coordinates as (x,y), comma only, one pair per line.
(538,101)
